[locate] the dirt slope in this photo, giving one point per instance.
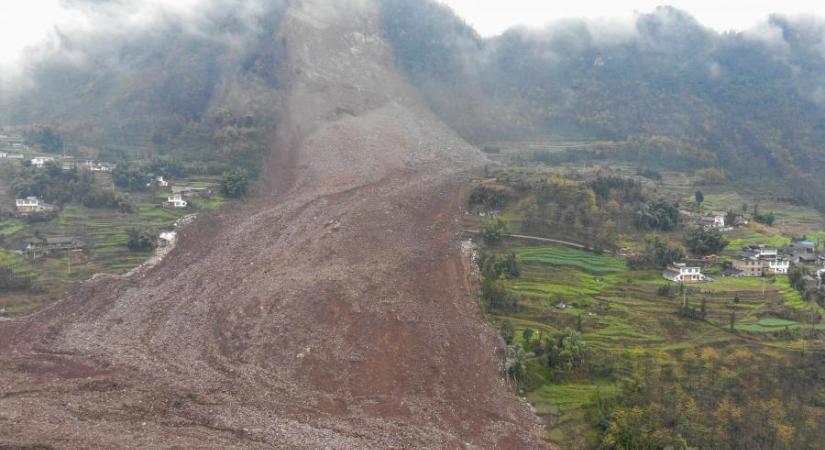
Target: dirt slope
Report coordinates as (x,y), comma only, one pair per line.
(331,312)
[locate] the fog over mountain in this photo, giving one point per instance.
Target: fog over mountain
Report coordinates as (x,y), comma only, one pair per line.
(674,92)
(137,75)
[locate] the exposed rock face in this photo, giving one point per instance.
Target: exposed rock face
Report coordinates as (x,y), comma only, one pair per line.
(331,312)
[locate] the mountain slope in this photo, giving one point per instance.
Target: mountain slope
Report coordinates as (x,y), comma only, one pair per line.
(677,94)
(331,312)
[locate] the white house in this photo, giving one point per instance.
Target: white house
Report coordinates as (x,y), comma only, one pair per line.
(778,266)
(682,273)
(30,205)
(161,183)
(4,155)
(715,219)
(175,201)
(97,166)
(38,161)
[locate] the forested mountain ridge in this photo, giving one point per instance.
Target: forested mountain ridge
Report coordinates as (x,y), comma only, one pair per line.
(676,93)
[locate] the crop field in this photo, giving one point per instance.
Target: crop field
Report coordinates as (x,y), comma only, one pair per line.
(620,312)
(558,256)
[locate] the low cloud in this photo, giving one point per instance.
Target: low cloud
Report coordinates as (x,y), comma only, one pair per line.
(78,32)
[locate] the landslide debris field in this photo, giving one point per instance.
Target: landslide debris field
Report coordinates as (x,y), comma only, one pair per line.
(333,311)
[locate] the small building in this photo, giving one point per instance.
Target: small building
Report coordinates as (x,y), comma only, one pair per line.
(39,161)
(686,216)
(97,166)
(715,219)
(175,201)
(748,266)
(802,252)
(31,205)
(682,273)
(758,260)
(810,282)
(4,155)
(160,182)
(50,245)
(191,192)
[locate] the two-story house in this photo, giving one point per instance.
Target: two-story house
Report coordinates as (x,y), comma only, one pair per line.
(682,273)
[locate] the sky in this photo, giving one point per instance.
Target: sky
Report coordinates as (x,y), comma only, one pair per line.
(26,23)
(491,17)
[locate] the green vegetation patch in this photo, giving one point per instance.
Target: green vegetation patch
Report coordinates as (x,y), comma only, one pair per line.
(561,256)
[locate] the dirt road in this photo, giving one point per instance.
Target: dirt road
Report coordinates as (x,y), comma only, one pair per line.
(330,312)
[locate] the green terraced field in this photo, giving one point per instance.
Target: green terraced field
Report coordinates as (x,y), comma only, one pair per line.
(621,312)
(561,256)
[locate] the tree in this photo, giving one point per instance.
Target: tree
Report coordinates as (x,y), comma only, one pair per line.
(494,266)
(658,215)
(141,239)
(527,334)
(704,241)
(730,218)
(131,178)
(493,230)
(495,297)
(11,281)
(796,278)
(700,198)
(606,238)
(658,253)
(765,219)
(46,138)
(235,183)
(508,333)
(488,198)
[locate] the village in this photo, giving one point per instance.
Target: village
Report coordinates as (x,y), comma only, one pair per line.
(51,232)
(729,264)
(805,257)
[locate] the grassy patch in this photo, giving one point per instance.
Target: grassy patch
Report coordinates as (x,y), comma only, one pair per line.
(561,256)
(10,227)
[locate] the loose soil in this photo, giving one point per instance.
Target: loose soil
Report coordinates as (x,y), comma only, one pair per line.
(331,311)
